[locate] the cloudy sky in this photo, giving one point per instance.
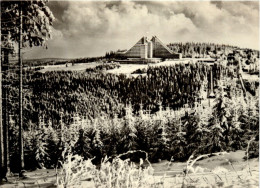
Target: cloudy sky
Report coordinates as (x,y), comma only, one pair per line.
(87,29)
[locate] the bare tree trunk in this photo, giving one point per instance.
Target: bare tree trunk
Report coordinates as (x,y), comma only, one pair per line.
(21,151)
(6,128)
(2,152)
(7,142)
(5,110)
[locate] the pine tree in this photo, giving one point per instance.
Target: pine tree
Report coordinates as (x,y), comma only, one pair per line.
(36,19)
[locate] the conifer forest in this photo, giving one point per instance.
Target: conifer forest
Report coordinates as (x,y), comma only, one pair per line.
(108,121)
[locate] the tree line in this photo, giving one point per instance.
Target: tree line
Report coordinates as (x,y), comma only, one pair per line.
(166,134)
(92,94)
(54,100)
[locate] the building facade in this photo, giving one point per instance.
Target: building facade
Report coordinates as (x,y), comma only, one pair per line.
(153,48)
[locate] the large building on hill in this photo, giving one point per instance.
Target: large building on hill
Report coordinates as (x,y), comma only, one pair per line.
(150,49)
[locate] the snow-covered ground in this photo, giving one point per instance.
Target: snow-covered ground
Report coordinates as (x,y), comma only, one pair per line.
(230,169)
(69,67)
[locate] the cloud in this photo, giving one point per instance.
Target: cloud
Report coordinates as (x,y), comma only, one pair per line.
(92,28)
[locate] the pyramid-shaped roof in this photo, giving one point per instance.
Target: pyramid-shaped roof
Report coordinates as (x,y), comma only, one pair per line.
(159,49)
(134,52)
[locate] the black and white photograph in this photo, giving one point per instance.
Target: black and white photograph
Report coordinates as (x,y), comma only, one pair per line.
(129,94)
